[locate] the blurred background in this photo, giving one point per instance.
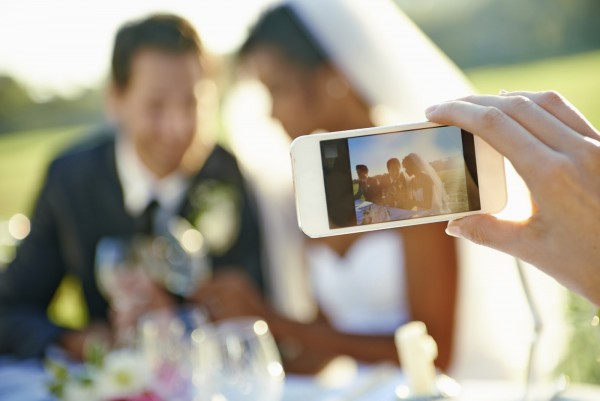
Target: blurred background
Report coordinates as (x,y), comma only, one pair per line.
(54,60)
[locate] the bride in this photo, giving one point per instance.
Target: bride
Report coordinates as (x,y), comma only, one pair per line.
(428,189)
(336,65)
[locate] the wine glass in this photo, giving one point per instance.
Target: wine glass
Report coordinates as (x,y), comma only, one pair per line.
(165,341)
(120,279)
(176,257)
(237,360)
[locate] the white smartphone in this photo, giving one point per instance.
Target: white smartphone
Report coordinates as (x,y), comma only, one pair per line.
(384,177)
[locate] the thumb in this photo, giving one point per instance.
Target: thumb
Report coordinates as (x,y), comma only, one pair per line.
(487,230)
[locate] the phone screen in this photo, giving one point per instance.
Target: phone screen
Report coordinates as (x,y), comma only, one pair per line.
(400,175)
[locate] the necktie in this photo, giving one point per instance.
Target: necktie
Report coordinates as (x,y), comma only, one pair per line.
(147,221)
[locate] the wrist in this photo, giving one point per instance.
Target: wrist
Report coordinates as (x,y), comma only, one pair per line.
(278,325)
(290,347)
(72,342)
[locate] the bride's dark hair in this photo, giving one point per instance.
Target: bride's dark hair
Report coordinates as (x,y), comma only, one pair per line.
(281,28)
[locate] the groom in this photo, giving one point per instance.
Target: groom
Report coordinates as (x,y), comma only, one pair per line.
(153,163)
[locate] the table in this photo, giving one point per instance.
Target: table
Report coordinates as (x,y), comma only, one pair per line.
(379,383)
(25,381)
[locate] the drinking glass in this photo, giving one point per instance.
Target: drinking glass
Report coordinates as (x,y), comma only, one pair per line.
(165,341)
(120,279)
(236,360)
(176,257)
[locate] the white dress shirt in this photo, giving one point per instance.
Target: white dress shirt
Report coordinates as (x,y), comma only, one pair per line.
(140,186)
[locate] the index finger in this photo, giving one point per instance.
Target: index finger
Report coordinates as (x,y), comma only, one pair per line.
(561,108)
(504,134)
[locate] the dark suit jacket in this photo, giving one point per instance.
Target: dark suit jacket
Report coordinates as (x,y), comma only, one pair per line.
(80,202)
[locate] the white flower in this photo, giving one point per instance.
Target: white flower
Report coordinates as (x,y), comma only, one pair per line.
(75,390)
(217,214)
(124,374)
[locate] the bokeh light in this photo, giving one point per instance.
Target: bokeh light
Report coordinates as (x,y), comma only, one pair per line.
(19,226)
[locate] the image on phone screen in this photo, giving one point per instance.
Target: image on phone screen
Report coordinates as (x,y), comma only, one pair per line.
(400,175)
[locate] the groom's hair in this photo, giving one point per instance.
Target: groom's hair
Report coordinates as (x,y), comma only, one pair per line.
(362,167)
(280,27)
(164,32)
(393,162)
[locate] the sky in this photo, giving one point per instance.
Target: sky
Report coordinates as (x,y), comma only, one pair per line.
(63,46)
(375,150)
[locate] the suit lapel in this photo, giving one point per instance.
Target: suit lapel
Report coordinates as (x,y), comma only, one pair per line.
(113,219)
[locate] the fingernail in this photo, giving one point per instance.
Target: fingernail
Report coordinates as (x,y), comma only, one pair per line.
(431,109)
(453,230)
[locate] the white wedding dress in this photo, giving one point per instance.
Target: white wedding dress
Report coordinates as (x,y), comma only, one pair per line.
(364,291)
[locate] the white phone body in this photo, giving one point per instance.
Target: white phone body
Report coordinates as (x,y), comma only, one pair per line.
(322,160)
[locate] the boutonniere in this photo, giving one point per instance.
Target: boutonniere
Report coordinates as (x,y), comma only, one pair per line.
(216,213)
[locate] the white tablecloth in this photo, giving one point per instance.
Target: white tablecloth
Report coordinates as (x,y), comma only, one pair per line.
(23,380)
(379,384)
(26,381)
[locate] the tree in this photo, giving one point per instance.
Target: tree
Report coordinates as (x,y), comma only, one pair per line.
(14,100)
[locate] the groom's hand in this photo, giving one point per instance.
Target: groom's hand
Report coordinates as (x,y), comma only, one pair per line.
(76,342)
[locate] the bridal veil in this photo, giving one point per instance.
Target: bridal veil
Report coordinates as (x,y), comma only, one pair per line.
(399,72)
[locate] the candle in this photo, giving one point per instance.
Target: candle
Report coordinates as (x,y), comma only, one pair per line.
(417,350)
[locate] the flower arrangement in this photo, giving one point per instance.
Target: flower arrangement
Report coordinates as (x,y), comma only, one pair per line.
(120,375)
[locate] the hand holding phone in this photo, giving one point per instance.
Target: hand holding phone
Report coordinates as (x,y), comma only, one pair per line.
(557,152)
(384,177)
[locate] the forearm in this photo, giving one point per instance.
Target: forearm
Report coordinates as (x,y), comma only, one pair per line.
(319,338)
(230,295)
(300,360)
(76,342)
(432,279)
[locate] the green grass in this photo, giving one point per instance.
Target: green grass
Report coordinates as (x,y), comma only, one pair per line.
(24,157)
(581,362)
(456,188)
(576,77)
